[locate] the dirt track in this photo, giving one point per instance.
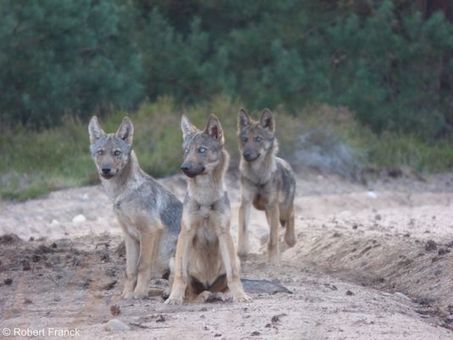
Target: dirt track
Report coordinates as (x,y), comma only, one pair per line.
(372,262)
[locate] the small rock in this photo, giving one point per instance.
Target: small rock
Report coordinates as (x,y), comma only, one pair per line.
(115,310)
(25,265)
(430,245)
(160,318)
(330,286)
(27,301)
(54,223)
(372,194)
(276,318)
(8,281)
(443,251)
(79,219)
(349,293)
(378,217)
(116,325)
(255,333)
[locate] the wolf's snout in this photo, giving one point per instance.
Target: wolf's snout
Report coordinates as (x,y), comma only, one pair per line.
(190,170)
(250,156)
(107,173)
(187,169)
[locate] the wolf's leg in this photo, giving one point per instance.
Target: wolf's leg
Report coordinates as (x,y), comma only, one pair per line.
(290,235)
(202,297)
(132,252)
(273,218)
(149,249)
(231,264)
(243,237)
(180,276)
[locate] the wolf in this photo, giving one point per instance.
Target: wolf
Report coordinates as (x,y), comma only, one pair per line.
(267,182)
(147,212)
(205,261)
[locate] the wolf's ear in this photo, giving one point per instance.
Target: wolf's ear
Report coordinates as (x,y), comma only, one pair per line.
(187,127)
(243,119)
(94,130)
(267,120)
(214,129)
(126,131)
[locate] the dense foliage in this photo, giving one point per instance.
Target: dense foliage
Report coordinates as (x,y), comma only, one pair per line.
(390,62)
(62,57)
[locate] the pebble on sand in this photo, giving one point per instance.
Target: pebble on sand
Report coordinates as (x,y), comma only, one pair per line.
(116,325)
(79,219)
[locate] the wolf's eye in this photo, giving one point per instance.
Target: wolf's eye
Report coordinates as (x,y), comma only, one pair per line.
(100,152)
(258,139)
(202,149)
(244,139)
(117,153)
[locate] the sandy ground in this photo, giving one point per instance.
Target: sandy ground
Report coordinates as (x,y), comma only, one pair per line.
(372,261)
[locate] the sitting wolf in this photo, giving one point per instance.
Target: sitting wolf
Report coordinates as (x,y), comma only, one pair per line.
(205,259)
(148,213)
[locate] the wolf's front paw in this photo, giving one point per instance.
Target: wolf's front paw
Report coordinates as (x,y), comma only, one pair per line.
(174,300)
(242,298)
(128,291)
(243,249)
(140,295)
(290,238)
(274,260)
(127,294)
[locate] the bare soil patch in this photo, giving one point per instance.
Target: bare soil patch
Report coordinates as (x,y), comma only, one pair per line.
(371,262)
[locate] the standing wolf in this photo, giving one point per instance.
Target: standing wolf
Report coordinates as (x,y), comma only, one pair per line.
(205,259)
(148,213)
(267,182)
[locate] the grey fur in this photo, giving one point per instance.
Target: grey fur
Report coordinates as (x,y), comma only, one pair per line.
(205,259)
(148,213)
(267,182)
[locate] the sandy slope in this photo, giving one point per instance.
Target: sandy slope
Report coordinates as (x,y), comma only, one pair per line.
(372,262)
